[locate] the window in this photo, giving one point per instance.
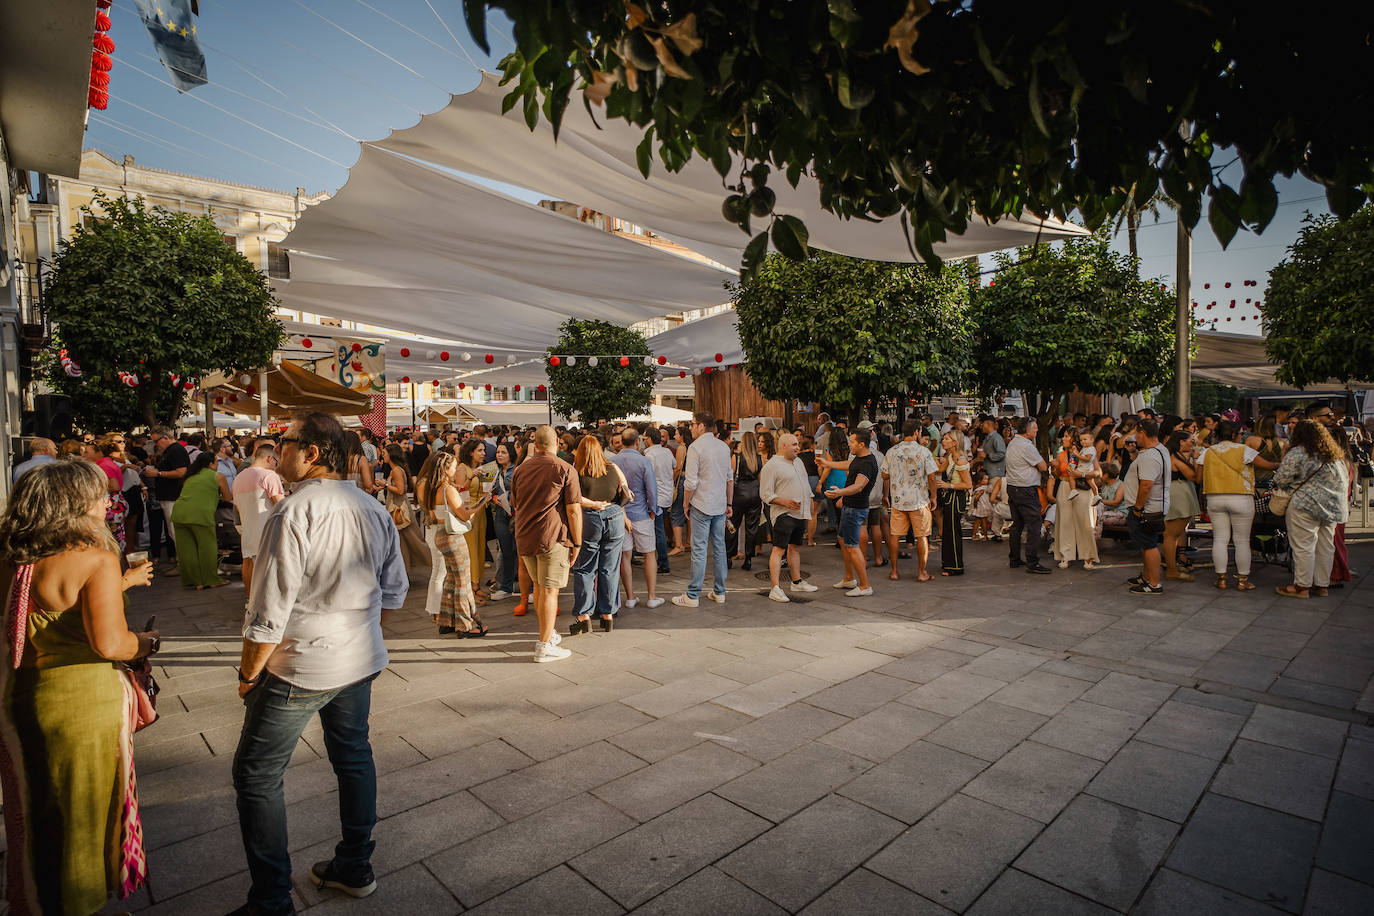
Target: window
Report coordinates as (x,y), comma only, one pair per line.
(231,241)
(278,262)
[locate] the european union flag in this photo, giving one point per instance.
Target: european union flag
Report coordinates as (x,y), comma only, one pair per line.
(174,35)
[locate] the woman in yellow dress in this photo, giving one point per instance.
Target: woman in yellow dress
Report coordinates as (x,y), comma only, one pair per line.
(66,710)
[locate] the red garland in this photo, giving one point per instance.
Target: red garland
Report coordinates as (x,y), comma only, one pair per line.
(100,61)
(102,21)
(104,42)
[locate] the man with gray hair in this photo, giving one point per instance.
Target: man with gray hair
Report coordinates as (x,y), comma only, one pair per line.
(41,451)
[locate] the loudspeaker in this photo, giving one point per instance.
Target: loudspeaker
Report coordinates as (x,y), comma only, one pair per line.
(52,416)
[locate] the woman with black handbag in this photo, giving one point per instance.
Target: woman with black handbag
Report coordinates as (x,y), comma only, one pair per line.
(952,499)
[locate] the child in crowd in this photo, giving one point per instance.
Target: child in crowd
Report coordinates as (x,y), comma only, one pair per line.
(1112,495)
(981,513)
(1084,459)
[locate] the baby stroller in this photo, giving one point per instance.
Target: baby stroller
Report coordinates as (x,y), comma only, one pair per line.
(1269,534)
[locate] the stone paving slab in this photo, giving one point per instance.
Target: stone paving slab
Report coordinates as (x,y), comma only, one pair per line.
(951,747)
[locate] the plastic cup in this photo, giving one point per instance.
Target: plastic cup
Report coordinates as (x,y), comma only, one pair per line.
(138,558)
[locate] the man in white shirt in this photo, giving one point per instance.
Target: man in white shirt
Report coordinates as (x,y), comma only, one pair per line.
(707,488)
(663,461)
(787,499)
(1146,487)
(909,474)
(1025,465)
(329,574)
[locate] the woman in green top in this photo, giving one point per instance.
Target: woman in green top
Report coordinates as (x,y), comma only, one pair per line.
(66,744)
(193,517)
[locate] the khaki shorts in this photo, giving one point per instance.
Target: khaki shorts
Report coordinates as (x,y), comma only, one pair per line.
(548,570)
(643,537)
(917,521)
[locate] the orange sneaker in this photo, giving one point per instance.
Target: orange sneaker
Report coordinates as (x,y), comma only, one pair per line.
(521,609)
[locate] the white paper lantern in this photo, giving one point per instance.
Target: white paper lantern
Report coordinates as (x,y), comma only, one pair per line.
(648,361)
(467,357)
(245,379)
(431,354)
(510,357)
(593,361)
(571,361)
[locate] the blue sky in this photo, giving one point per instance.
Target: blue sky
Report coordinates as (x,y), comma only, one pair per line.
(288,67)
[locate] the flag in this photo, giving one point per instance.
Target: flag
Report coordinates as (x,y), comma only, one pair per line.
(174,35)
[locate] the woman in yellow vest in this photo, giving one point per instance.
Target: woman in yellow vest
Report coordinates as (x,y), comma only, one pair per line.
(1228,482)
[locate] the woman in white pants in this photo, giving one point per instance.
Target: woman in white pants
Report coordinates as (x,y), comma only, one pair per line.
(1315,473)
(1228,481)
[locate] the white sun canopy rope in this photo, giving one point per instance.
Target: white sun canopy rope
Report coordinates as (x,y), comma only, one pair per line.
(417,248)
(596,168)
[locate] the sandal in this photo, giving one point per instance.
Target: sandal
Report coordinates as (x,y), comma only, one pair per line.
(1221,582)
(1291,591)
(1317,591)
(1243,584)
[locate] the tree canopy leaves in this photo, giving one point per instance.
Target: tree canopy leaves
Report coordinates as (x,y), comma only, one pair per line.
(943,110)
(1074,318)
(608,390)
(149,291)
(1319,307)
(842,331)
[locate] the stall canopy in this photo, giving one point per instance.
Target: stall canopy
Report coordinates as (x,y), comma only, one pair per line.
(1240,360)
(290,389)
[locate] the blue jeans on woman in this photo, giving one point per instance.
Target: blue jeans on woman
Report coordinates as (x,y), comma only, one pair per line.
(505,536)
(275,715)
(596,574)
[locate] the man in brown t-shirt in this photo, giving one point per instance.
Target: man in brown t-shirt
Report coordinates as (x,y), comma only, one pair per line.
(548,531)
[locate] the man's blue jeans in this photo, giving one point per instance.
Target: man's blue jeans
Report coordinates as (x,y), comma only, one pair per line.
(275,715)
(661,539)
(706,527)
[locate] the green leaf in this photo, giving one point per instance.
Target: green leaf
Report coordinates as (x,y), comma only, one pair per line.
(985,56)
(644,153)
(1221,215)
(754,252)
(510,99)
(1033,96)
(853,93)
(790,237)
(531,109)
(475,11)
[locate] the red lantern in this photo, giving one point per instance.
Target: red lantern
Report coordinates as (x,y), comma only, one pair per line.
(541,388)
(405,351)
(251,391)
(624,361)
(307,343)
(219,400)
(233,398)
(1206,286)
(1228,284)
(357,348)
(443,355)
(462,385)
(662,360)
(488,386)
(720,358)
(706,371)
(489,358)
(681,373)
(1233,303)
(517,387)
(102,20)
(554,360)
(405,380)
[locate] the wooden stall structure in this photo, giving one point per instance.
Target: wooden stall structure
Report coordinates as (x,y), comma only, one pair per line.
(728,395)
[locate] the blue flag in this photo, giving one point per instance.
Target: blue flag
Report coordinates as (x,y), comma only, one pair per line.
(174,35)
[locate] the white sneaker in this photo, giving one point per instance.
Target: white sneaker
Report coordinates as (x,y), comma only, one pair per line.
(847,583)
(499,594)
(548,652)
(685,601)
(653,602)
(557,639)
(1063,564)
(630,602)
(857,592)
(1089,564)
(801,585)
(718,599)
(777,594)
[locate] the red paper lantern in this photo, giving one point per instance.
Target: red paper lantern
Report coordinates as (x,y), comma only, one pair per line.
(443,355)
(104,43)
(682,373)
(624,360)
(489,358)
(517,387)
(405,351)
(97,98)
(1206,286)
(541,388)
(706,371)
(435,383)
(219,400)
(720,358)
(357,348)
(405,380)
(100,61)
(554,360)
(462,385)
(307,343)
(233,398)
(662,360)
(102,20)
(488,386)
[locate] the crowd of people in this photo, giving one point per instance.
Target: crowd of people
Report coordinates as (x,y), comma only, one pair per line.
(332,527)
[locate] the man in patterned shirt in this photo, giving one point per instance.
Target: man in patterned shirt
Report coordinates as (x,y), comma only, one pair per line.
(909,473)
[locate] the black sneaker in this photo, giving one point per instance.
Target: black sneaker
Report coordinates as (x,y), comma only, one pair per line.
(1136,580)
(327,874)
(1014,563)
(1146,588)
(252,909)
(1038,570)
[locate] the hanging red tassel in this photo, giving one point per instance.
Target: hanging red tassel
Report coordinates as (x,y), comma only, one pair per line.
(98,98)
(102,20)
(100,79)
(103,42)
(101,61)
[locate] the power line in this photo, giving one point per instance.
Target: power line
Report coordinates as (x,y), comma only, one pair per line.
(419,35)
(373,47)
(451,35)
(1286,203)
(145,136)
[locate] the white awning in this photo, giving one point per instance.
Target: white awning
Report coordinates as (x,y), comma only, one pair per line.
(695,343)
(595,166)
(1240,360)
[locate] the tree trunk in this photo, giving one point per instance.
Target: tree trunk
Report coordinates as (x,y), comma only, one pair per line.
(1132,224)
(147,396)
(1049,412)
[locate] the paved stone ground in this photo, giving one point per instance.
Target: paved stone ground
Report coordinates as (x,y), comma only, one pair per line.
(997,744)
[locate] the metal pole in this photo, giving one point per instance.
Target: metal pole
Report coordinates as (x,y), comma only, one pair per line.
(1183,322)
(412,410)
(209,416)
(262,393)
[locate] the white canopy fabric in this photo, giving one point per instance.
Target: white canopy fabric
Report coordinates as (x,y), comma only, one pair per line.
(662,416)
(418,248)
(595,167)
(1240,360)
(695,343)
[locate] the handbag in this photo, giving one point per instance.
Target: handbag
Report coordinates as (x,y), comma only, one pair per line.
(145,689)
(400,514)
(1153,522)
(1279,499)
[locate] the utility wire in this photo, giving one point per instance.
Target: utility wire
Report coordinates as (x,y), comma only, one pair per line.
(451,35)
(1285,203)
(419,35)
(373,47)
(147,137)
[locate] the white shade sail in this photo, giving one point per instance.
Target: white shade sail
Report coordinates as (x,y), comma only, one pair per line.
(415,247)
(595,167)
(1240,360)
(696,343)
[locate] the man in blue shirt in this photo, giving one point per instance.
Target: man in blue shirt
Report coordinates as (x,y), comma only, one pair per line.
(41,451)
(639,474)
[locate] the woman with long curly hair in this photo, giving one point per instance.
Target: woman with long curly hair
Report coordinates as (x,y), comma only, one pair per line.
(1314,472)
(66,740)
(452,516)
